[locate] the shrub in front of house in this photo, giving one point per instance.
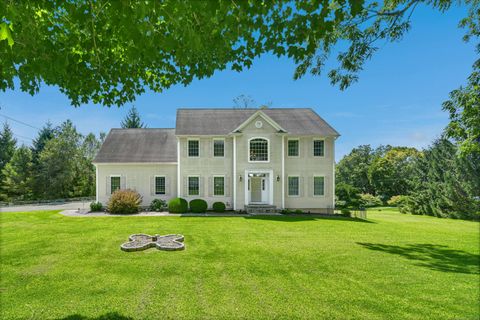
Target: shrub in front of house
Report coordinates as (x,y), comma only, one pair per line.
(158,205)
(298,211)
(96,206)
(219,207)
(177,205)
(198,206)
(368,200)
(124,202)
(397,201)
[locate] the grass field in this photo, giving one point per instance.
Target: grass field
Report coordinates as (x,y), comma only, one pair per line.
(393,266)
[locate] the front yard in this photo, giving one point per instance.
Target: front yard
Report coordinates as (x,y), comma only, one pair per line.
(393,266)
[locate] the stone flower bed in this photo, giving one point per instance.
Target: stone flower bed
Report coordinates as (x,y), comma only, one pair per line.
(142,241)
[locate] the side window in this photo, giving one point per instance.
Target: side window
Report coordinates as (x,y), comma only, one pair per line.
(218,148)
(159,185)
(318,148)
(293,186)
(293,146)
(114,184)
(318,186)
(193,148)
(193,186)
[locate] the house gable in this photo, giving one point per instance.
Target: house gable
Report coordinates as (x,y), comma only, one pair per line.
(259,122)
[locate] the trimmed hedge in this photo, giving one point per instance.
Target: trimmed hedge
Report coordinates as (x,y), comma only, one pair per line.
(177,205)
(96,206)
(198,206)
(158,205)
(219,207)
(124,202)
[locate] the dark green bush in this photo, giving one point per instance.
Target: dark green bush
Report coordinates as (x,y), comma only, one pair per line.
(368,200)
(124,202)
(286,211)
(158,205)
(346,212)
(177,205)
(298,211)
(219,207)
(198,206)
(397,201)
(349,195)
(96,206)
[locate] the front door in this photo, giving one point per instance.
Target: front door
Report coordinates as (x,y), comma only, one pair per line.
(258,187)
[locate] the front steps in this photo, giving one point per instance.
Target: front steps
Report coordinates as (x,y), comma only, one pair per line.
(260,209)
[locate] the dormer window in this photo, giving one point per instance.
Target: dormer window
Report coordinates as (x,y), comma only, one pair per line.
(258,150)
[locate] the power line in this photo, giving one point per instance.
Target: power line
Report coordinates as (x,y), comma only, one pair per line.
(21,122)
(20,136)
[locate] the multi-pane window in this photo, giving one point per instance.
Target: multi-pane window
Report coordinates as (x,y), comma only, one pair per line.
(318,148)
(218,148)
(258,149)
(218,186)
(318,186)
(159,185)
(114,184)
(293,186)
(293,148)
(193,186)
(193,148)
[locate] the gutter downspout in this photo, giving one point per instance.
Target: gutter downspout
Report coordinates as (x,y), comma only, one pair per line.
(234,172)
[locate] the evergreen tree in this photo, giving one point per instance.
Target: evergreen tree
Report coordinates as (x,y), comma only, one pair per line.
(132,119)
(7,145)
(44,135)
(17,181)
(85,170)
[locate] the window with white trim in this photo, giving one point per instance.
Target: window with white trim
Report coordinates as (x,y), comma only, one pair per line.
(193,148)
(318,148)
(293,148)
(218,186)
(218,148)
(293,186)
(115,183)
(159,185)
(318,186)
(258,149)
(193,186)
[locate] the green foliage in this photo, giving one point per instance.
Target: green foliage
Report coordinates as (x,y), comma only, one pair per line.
(391,172)
(158,205)
(96,206)
(444,184)
(198,206)
(109,52)
(124,202)
(397,201)
(7,145)
(345,212)
(367,200)
(348,194)
(298,211)
(219,207)
(177,205)
(17,175)
(132,119)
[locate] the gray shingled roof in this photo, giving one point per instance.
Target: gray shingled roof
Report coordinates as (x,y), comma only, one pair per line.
(297,121)
(138,145)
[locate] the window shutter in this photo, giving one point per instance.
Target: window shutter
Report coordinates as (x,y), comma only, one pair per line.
(108,190)
(311,186)
(185,148)
(185,186)
(326,186)
(167,186)
(301,186)
(201,185)
(123,182)
(227,186)
(152,186)
(226,148)
(310,147)
(209,145)
(210,186)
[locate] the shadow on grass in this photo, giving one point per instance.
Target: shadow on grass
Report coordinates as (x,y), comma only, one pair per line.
(106,316)
(435,257)
(291,218)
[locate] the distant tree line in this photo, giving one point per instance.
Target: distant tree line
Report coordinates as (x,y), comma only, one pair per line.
(439,180)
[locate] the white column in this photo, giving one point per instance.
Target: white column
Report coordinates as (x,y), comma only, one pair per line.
(178,167)
(96,182)
(333,173)
(234,178)
(283,172)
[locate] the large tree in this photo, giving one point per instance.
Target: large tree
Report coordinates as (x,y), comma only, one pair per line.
(7,146)
(17,175)
(132,119)
(110,51)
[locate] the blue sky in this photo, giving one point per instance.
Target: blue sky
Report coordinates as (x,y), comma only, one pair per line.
(397,100)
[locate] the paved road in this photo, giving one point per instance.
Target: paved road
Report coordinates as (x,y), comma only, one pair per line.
(61,206)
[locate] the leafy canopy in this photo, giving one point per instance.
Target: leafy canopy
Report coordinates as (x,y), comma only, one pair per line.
(110,51)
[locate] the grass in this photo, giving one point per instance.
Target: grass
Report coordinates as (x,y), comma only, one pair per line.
(392,267)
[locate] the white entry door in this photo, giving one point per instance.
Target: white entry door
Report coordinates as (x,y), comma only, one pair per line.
(258,189)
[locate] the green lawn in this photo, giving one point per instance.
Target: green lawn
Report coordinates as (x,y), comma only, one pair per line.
(392,267)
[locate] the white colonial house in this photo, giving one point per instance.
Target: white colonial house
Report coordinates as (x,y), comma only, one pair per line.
(278,158)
